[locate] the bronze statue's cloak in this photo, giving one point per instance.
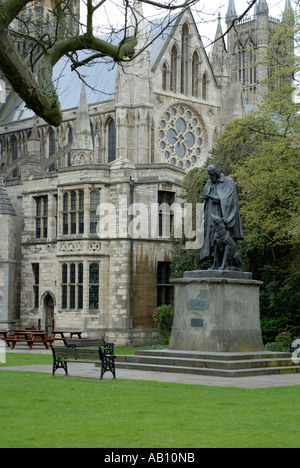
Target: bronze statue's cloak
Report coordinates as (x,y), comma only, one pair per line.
(228,209)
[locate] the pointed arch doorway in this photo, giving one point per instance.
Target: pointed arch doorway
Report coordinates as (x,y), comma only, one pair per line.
(49,304)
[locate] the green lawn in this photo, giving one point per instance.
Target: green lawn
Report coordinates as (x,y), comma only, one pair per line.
(27,359)
(37,410)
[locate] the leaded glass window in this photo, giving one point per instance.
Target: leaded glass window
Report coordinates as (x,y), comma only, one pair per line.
(72,286)
(36,284)
(41,217)
(111,140)
(94,203)
(164,287)
(73,212)
(94,286)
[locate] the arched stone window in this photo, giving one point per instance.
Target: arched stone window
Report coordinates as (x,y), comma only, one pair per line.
(204,87)
(92,134)
(70,139)
(70,135)
(164,76)
(52,149)
(195,75)
(111,140)
(252,62)
(174,65)
(14,146)
(184,59)
(242,64)
(15,154)
(52,144)
(252,71)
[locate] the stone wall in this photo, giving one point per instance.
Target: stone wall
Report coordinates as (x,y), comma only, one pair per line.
(120,316)
(8,271)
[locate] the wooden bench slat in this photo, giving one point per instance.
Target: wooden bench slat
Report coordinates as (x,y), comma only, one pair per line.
(77,353)
(85,342)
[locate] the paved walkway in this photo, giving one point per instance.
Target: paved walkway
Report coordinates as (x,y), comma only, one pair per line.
(89,371)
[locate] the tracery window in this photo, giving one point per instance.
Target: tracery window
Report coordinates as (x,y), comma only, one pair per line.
(180,136)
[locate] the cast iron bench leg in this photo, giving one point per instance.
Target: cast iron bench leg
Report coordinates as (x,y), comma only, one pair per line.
(60,364)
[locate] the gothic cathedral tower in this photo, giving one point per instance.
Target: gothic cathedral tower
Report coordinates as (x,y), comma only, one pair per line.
(247,41)
(36,19)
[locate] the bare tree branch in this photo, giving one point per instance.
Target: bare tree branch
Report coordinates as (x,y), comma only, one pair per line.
(32,78)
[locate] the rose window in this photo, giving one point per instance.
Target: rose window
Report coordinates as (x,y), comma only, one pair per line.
(180,136)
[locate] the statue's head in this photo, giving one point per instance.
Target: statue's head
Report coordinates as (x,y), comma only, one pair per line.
(213,172)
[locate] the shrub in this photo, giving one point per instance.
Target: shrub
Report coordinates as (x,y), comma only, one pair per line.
(163,318)
(270,346)
(281,344)
(283,341)
(279,301)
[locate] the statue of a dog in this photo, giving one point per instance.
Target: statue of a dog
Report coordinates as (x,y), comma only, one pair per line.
(226,255)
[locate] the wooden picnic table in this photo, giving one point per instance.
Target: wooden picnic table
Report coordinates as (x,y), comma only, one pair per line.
(3,334)
(62,334)
(30,336)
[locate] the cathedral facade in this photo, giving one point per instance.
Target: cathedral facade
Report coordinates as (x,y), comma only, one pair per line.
(85,224)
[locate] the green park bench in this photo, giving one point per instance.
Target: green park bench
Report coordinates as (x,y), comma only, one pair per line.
(85,350)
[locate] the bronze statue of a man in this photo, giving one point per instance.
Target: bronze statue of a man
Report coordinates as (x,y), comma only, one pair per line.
(220,203)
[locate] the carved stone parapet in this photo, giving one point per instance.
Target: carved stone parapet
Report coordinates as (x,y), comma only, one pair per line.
(76,247)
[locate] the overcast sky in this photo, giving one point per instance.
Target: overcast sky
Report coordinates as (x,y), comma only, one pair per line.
(206,18)
(213,7)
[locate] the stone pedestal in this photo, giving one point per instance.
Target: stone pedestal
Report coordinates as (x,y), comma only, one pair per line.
(216,312)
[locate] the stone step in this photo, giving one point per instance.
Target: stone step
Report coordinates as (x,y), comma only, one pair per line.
(208,371)
(212,355)
(203,363)
(206,363)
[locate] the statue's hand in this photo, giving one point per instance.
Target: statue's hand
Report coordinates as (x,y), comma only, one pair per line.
(214,198)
